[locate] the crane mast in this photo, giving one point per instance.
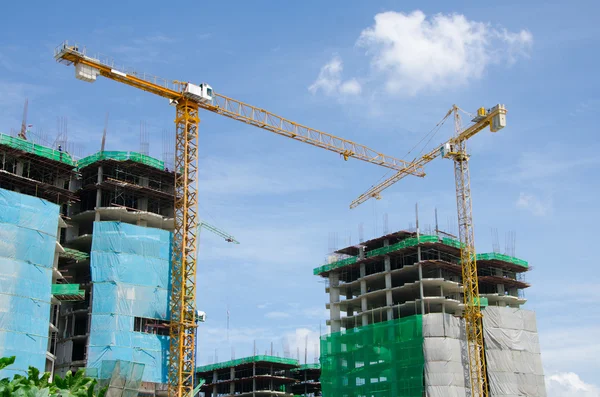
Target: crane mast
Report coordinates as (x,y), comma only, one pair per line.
(468,260)
(188,99)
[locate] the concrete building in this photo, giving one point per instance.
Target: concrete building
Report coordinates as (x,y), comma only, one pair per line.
(308,383)
(104,295)
(265,376)
(396,301)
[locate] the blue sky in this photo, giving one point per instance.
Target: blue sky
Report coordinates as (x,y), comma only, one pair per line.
(382,82)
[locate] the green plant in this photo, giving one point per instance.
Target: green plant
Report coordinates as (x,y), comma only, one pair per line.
(34,385)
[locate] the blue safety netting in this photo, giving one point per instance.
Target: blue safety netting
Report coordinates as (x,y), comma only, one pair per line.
(130,273)
(28,230)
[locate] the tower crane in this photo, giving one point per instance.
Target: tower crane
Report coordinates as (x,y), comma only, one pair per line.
(455,149)
(188,99)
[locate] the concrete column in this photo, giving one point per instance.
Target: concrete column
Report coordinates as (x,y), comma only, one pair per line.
(500,287)
(421,294)
(364,307)
(60,182)
(334,299)
(253,379)
(361,253)
(305,383)
(19,171)
(349,310)
(142,203)
(232,384)
(388,286)
(271,383)
(363,290)
(99,193)
(214,381)
(20,167)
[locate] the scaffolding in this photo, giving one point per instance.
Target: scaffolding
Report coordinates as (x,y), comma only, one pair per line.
(38,150)
(121,156)
(414,242)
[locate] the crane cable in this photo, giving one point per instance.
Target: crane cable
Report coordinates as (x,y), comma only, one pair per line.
(431,132)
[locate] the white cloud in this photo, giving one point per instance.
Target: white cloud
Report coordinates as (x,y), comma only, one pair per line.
(350,87)
(277,315)
(416,52)
(568,384)
(330,80)
(301,340)
(533,204)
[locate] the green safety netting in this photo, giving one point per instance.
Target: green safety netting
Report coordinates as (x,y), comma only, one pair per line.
(121,156)
(246,360)
(409,242)
(309,366)
(382,359)
(65,290)
(74,254)
(483,301)
(30,147)
(501,257)
(452,242)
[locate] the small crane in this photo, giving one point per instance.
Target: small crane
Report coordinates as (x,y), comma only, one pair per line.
(226,236)
(455,149)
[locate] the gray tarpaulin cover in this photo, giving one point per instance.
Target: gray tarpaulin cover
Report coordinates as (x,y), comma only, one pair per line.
(444,347)
(514,363)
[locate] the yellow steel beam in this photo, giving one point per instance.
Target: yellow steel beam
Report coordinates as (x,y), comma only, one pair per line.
(468,257)
(266,120)
(183,272)
(240,111)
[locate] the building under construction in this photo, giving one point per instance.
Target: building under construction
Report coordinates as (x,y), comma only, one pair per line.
(85,253)
(395,304)
(266,376)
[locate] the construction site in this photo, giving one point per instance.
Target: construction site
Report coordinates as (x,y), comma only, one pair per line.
(98,272)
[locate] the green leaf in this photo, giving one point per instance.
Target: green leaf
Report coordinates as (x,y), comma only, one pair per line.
(44,380)
(6,361)
(44,392)
(33,375)
(91,386)
(60,383)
